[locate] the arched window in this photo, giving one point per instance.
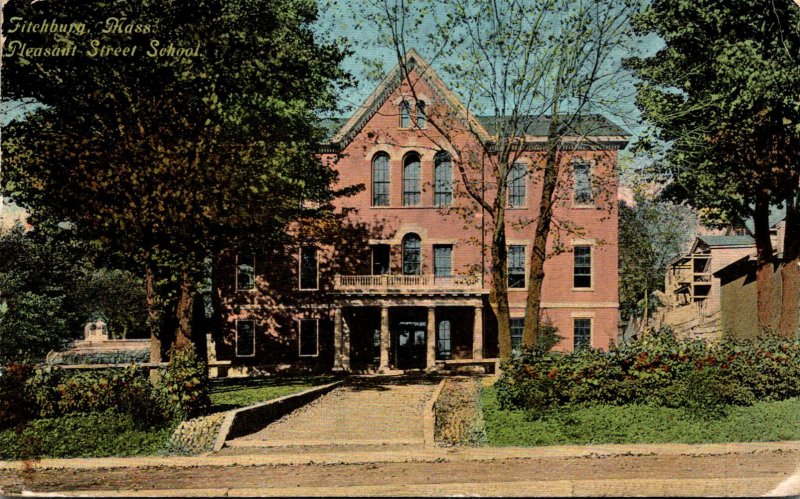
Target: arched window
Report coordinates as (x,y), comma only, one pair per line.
(443,186)
(412,255)
(421,117)
(405,114)
(411,173)
(380,179)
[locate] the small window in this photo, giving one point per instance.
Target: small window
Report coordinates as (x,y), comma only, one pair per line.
(516,185)
(309,337)
(309,270)
(443,260)
(245,338)
(583,267)
(583,183)
(411,180)
(421,117)
(405,114)
(380,179)
(443,185)
(517,326)
(582,334)
(380,259)
(245,272)
(412,255)
(516,266)
(443,340)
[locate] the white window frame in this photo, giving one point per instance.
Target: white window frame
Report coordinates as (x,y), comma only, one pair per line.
(590,244)
(590,318)
(526,252)
(524,205)
(300,337)
(300,269)
(236,345)
(236,277)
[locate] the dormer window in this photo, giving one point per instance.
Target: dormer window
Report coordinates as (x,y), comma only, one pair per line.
(422,119)
(405,114)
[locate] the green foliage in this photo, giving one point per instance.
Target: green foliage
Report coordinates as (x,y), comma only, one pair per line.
(14,408)
(113,357)
(639,423)
(83,435)
(184,384)
(659,370)
(55,392)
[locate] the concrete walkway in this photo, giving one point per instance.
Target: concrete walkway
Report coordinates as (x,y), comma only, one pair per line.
(366,414)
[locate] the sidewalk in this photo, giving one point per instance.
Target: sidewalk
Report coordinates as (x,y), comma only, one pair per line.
(438,454)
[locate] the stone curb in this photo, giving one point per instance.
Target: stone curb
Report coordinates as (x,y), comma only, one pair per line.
(421,455)
(429,416)
(250,419)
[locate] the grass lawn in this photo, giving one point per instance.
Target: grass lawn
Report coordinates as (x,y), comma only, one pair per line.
(232,393)
(83,435)
(761,422)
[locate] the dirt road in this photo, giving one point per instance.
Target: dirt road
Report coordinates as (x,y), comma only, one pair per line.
(750,474)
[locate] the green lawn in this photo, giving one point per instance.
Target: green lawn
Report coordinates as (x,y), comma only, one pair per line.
(232,393)
(762,422)
(83,435)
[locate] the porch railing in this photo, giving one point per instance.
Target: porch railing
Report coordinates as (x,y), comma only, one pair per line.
(406,282)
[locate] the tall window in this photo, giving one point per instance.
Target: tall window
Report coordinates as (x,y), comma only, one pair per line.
(583,267)
(443,261)
(405,114)
(516,185)
(309,270)
(245,272)
(411,174)
(582,334)
(517,326)
(583,182)
(380,259)
(443,185)
(309,337)
(444,343)
(245,338)
(421,118)
(380,179)
(411,255)
(516,266)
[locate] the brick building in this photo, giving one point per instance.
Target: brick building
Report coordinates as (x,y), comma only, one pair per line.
(406,284)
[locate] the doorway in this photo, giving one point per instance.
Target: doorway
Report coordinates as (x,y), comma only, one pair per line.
(410,344)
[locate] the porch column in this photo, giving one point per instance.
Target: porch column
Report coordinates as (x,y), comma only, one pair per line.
(345,344)
(477,334)
(384,339)
(338,328)
(430,363)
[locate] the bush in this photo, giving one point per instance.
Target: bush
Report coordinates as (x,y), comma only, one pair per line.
(184,384)
(14,408)
(657,369)
(55,392)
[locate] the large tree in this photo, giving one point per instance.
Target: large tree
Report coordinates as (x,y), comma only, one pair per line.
(722,96)
(524,65)
(202,133)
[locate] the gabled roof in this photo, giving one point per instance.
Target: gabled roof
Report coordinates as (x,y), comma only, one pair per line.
(340,131)
(727,241)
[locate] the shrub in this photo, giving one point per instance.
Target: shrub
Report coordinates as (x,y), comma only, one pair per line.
(184,384)
(56,392)
(657,369)
(14,408)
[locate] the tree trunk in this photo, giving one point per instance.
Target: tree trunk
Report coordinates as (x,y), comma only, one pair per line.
(183,333)
(764,261)
(533,305)
(152,312)
(790,273)
(498,295)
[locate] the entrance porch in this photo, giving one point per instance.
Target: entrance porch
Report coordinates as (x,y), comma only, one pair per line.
(389,335)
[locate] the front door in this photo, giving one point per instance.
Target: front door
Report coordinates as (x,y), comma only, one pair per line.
(411,345)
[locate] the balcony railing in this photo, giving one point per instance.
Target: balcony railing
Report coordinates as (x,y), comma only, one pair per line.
(406,282)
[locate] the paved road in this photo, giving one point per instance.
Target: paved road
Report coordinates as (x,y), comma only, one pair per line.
(364,414)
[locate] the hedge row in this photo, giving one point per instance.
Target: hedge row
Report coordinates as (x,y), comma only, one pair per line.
(657,369)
